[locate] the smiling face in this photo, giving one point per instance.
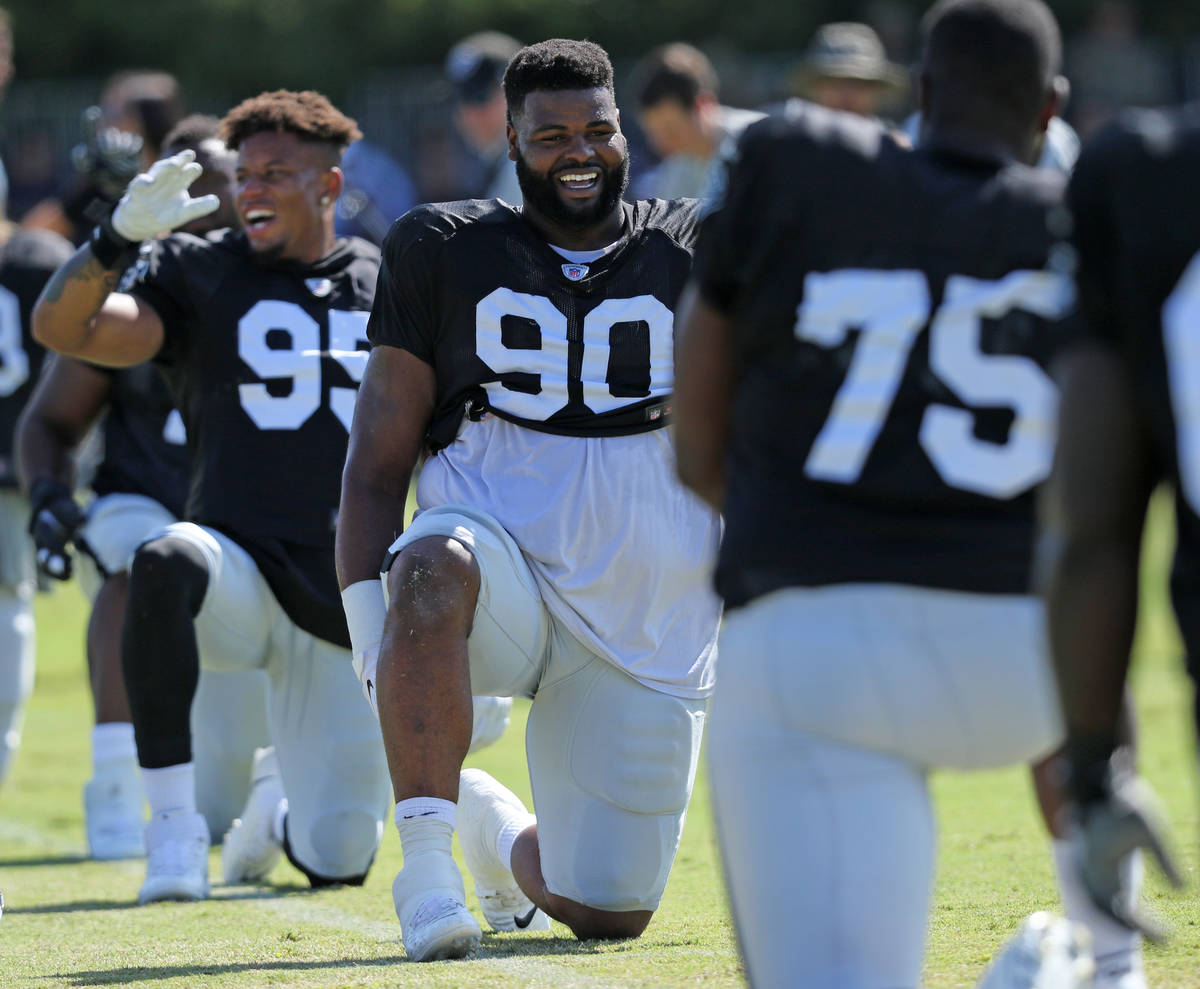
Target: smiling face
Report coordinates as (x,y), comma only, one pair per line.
(280,183)
(572,163)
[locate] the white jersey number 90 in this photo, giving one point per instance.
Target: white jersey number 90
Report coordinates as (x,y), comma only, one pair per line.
(548,361)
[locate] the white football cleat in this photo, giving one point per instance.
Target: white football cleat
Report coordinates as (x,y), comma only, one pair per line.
(250,849)
(176,859)
(114,815)
(1048,952)
(490,721)
(483,807)
(431,907)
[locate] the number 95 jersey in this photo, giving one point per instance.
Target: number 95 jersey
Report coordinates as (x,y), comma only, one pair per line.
(894,313)
(263,359)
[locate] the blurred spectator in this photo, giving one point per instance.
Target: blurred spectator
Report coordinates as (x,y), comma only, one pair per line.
(475,68)
(200,133)
(846,68)
(144,102)
(6,74)
(1112,66)
(32,157)
(675,87)
(376,190)
(121,135)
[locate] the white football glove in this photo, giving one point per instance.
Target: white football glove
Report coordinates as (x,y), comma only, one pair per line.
(157,201)
(365,663)
(1106,832)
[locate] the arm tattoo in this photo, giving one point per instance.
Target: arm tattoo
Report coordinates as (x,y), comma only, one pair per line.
(83,267)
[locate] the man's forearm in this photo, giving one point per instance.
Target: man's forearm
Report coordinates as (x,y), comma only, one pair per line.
(1092,611)
(369,521)
(43,453)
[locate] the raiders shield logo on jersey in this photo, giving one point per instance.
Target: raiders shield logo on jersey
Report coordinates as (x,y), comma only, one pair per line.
(575,272)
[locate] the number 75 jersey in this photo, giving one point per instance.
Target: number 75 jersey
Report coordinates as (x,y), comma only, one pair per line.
(263,359)
(894,314)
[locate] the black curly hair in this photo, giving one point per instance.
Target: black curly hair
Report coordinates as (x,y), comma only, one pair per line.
(307,114)
(556,64)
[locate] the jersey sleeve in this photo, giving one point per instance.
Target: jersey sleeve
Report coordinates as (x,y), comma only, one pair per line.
(159,277)
(1092,236)
(729,232)
(403,313)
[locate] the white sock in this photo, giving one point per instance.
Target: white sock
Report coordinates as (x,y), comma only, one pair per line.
(171,790)
(426,824)
(112,742)
(507,837)
(1111,942)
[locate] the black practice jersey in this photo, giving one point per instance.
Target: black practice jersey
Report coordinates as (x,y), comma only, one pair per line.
(27,261)
(263,360)
(474,290)
(144,440)
(1137,233)
(894,315)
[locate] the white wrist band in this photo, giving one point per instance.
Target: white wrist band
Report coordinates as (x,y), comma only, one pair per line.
(365,611)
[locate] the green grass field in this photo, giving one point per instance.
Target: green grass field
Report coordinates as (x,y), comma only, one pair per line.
(70,922)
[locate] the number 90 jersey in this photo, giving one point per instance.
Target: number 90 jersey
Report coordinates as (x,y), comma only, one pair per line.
(474,290)
(574,363)
(264,359)
(894,313)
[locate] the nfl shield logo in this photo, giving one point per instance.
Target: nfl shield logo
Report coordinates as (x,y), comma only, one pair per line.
(320,287)
(575,272)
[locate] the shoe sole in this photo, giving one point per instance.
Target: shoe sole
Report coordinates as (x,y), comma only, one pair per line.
(171,895)
(458,940)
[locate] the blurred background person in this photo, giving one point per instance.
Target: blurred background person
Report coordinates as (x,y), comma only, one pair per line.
(1112,66)
(675,88)
(27,259)
(846,68)
(121,136)
(475,67)
(377,190)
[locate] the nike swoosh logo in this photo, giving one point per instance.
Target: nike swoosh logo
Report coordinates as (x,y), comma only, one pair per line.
(523,922)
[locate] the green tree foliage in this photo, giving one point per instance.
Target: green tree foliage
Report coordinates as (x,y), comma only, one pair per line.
(236,48)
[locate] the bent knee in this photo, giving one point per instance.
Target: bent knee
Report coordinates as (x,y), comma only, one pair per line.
(169,567)
(605,925)
(336,846)
(431,580)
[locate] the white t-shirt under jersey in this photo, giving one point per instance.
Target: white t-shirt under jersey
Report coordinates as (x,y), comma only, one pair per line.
(621,551)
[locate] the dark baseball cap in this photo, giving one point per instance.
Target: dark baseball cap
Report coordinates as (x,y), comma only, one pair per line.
(475,66)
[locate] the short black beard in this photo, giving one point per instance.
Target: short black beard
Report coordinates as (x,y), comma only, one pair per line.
(541,194)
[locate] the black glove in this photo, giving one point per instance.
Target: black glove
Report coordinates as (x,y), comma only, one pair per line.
(108,158)
(55,520)
(1116,813)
